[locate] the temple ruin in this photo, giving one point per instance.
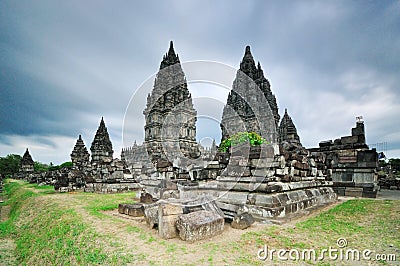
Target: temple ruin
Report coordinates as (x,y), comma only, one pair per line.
(27,163)
(169,114)
(186,189)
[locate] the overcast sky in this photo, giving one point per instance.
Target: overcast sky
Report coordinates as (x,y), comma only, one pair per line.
(65,64)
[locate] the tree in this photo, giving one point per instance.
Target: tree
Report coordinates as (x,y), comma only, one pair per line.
(10,164)
(66,165)
(61,166)
(395,163)
(40,167)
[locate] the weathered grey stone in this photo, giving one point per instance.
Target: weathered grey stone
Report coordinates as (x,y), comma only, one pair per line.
(166,226)
(151,214)
(263,172)
(282,172)
(169,194)
(234,197)
(199,225)
(353,192)
(167,208)
(135,210)
(147,198)
(121,208)
(242,221)
(167,216)
(263,163)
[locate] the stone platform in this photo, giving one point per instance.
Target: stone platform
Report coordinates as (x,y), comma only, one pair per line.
(276,199)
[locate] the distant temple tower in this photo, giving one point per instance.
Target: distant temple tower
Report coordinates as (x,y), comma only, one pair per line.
(101,148)
(251,106)
(170,128)
(27,163)
(80,155)
(287,130)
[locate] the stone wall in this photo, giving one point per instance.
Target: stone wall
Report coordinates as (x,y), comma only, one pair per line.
(266,181)
(350,163)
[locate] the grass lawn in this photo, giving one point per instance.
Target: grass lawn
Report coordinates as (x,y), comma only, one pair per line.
(48,228)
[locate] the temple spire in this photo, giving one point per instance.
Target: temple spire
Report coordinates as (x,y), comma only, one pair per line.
(287,130)
(248,66)
(170,58)
(249,81)
(80,155)
(170,99)
(171,48)
(27,164)
(101,148)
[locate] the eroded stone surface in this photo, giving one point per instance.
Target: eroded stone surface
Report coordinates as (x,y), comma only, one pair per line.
(167,216)
(199,225)
(242,221)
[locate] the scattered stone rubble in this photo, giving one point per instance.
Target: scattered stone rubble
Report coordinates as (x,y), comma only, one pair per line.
(190,220)
(199,225)
(389,182)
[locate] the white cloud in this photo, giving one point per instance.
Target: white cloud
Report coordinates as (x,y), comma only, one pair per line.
(327,63)
(56,151)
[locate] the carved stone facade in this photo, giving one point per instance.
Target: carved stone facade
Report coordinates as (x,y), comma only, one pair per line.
(287,130)
(101,148)
(80,155)
(27,163)
(251,105)
(170,129)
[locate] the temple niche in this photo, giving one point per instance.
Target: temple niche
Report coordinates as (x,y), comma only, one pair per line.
(251,105)
(170,129)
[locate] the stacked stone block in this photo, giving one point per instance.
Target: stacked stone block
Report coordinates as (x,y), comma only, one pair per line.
(350,163)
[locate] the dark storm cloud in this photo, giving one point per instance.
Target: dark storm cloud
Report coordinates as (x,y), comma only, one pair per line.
(64,64)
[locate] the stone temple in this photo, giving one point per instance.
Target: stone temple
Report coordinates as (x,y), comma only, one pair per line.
(187,190)
(251,105)
(101,148)
(170,129)
(80,156)
(271,180)
(287,130)
(27,163)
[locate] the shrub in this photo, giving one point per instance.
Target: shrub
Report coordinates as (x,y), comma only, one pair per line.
(252,137)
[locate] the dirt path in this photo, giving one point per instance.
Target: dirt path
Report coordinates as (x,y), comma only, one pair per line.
(128,237)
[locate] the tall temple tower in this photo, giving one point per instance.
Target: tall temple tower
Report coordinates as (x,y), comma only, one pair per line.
(80,155)
(27,163)
(251,105)
(101,148)
(287,130)
(170,129)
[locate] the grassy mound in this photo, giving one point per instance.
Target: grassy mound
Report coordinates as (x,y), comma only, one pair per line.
(48,228)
